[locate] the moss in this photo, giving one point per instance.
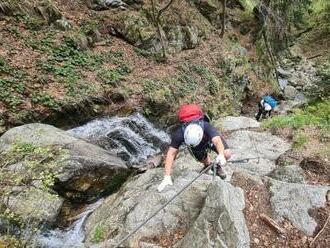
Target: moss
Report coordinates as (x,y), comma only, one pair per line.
(99,234)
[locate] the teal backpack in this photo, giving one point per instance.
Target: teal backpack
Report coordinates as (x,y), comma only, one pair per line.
(270,100)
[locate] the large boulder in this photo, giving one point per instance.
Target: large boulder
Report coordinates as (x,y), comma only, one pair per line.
(35,206)
(293,201)
(221,222)
(138,199)
(81,170)
(289,174)
(250,144)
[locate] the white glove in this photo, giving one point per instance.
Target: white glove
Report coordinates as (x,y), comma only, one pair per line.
(166,181)
(220,159)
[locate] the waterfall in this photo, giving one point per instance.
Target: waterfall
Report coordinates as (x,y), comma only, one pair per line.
(72,237)
(132,138)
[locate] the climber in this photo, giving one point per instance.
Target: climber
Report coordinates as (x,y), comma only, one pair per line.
(199,136)
(266,105)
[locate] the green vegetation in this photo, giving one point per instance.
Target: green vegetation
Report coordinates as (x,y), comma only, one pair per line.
(192,82)
(317,115)
(99,234)
(12,85)
(323,85)
(299,139)
(26,167)
(39,163)
(248,5)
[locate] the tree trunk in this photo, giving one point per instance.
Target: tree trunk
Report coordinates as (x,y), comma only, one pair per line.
(224,3)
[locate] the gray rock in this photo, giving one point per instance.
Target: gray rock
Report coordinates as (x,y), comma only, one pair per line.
(293,200)
(282,73)
(257,167)
(63,24)
(83,168)
(289,174)
(138,199)
(221,222)
(48,12)
(35,206)
(283,83)
(249,144)
(108,4)
(231,123)
(290,92)
(287,106)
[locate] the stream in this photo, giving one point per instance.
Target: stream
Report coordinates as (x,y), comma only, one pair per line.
(133,138)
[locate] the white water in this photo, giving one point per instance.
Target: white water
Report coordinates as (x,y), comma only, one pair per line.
(132,138)
(72,237)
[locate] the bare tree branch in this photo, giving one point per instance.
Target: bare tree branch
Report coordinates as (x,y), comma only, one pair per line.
(160,12)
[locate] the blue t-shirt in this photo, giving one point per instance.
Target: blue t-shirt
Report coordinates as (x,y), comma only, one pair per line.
(209,133)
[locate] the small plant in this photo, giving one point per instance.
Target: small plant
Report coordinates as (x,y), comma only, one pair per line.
(299,140)
(111,77)
(46,100)
(99,234)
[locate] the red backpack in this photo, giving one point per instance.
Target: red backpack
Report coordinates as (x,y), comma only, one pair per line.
(190,112)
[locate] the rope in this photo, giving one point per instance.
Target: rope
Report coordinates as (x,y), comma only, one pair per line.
(162,207)
(177,194)
(255,147)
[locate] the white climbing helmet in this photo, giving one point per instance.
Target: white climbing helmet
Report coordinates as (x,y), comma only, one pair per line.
(193,134)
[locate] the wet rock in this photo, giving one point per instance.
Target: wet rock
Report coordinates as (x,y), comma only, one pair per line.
(108,4)
(294,200)
(231,123)
(221,222)
(289,174)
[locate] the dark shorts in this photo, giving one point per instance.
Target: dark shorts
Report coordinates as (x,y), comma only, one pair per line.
(200,155)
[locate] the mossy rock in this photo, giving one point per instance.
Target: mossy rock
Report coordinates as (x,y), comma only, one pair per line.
(35,206)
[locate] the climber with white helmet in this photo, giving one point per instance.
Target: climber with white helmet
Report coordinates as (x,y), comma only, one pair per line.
(199,136)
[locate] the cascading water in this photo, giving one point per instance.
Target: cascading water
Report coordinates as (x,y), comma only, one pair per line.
(132,138)
(73,237)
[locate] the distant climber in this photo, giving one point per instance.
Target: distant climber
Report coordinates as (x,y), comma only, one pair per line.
(200,136)
(266,105)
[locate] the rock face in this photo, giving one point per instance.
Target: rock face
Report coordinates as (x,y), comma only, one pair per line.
(293,200)
(35,206)
(231,123)
(179,32)
(108,4)
(289,174)
(84,171)
(138,199)
(221,222)
(247,144)
(296,79)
